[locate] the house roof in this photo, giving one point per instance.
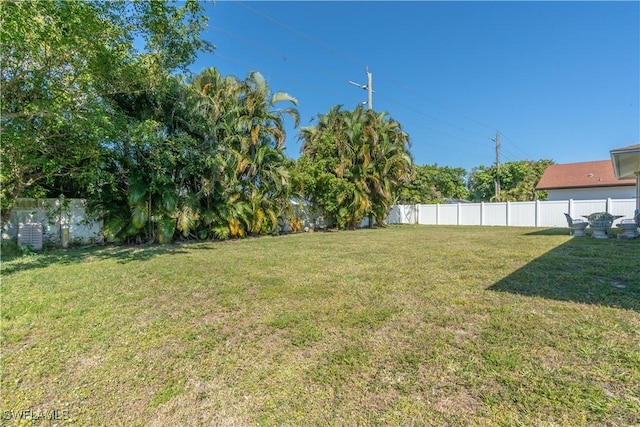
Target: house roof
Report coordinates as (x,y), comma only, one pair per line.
(581,175)
(626,161)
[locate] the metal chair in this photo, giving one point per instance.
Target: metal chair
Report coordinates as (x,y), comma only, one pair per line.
(629,227)
(577,226)
(600,223)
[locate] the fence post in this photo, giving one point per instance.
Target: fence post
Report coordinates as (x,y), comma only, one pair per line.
(571,208)
(537,213)
(458,213)
(508,206)
(417,210)
(481,213)
(437,213)
(608,208)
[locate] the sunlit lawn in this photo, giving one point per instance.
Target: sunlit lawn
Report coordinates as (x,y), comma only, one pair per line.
(411,325)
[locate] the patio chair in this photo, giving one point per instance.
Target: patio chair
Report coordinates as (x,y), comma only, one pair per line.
(577,226)
(600,223)
(628,229)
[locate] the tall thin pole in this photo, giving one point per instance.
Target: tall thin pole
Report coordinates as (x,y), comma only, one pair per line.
(370,88)
(637,174)
(497,182)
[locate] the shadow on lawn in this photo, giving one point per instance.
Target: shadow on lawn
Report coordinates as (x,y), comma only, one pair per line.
(122,255)
(549,232)
(583,270)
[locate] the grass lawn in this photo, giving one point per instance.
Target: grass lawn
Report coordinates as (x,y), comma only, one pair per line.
(408,325)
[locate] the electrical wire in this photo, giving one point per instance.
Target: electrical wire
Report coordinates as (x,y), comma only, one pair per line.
(432,117)
(324,72)
(275,52)
(515,145)
(360,63)
(300,33)
(342,54)
(250,67)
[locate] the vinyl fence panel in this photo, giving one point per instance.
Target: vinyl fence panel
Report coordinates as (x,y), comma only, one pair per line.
(523,214)
(470,214)
(551,213)
(621,207)
(55,216)
(447,214)
(494,214)
(586,207)
(428,214)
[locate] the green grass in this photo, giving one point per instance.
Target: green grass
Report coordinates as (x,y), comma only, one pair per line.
(410,325)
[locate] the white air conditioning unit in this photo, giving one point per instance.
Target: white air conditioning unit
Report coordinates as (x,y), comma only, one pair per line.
(30,234)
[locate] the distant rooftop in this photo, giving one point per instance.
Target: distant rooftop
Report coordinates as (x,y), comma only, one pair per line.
(581,175)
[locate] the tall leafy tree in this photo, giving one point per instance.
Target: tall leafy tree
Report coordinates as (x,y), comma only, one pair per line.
(352,163)
(208,161)
(249,132)
(517,181)
(434,184)
(68,68)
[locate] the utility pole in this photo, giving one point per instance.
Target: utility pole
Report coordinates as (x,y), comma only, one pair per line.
(497,181)
(368,87)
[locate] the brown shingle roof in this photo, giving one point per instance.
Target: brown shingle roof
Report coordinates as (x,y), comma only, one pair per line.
(581,175)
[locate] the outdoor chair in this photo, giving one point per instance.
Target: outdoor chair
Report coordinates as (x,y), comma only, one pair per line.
(628,229)
(600,223)
(577,226)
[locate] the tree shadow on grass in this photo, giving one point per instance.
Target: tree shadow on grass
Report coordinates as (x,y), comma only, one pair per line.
(122,255)
(583,270)
(550,232)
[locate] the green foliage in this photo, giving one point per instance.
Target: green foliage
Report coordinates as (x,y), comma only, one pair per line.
(71,78)
(433,184)
(205,158)
(9,249)
(87,114)
(352,164)
(517,181)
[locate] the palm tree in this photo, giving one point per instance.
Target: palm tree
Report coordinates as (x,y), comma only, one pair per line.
(366,149)
(246,178)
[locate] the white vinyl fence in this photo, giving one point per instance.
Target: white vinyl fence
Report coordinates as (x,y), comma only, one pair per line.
(517,214)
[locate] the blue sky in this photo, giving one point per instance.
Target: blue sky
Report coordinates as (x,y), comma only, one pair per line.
(559,80)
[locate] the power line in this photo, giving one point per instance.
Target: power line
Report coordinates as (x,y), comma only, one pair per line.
(319,89)
(358,62)
(468,141)
(338,52)
(433,117)
(515,145)
(300,33)
(323,90)
(411,90)
(275,52)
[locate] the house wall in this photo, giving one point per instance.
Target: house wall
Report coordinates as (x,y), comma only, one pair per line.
(54,215)
(622,192)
